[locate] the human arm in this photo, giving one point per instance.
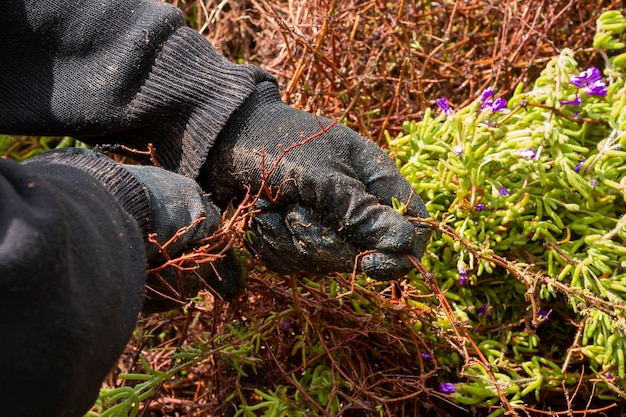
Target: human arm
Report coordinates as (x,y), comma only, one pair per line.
(145,78)
(70,296)
(117,72)
(73,258)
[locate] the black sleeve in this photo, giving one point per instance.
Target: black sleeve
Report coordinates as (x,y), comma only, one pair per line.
(125,71)
(72,271)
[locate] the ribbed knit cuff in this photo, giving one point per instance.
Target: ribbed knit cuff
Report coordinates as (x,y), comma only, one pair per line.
(120,183)
(191,92)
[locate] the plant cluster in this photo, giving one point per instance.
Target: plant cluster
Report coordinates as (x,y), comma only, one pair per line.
(20,148)
(528,199)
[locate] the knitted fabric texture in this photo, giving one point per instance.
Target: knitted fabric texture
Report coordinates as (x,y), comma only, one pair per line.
(128,73)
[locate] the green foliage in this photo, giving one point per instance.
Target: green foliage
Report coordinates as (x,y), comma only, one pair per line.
(20,148)
(531,242)
(125,401)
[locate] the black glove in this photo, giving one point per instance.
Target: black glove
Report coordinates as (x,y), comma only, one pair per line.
(174,201)
(177,201)
(332,194)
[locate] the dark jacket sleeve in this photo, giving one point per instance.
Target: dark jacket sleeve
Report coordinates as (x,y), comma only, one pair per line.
(72,271)
(119,72)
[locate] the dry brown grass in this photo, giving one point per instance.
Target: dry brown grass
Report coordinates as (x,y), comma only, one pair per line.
(377,63)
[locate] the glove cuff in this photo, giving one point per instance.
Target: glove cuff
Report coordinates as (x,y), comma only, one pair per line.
(120,183)
(192,91)
(265,96)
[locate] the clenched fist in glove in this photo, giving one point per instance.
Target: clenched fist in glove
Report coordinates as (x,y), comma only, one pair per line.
(330,193)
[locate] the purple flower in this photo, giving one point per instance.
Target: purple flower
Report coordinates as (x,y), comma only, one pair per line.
(488,102)
(593,183)
(463,278)
(544,315)
(591,79)
(447,387)
(494,105)
(575,102)
(529,153)
(579,166)
(586,78)
(497,105)
(480,207)
(608,376)
(286,325)
(444,105)
(427,356)
(458,150)
(486,95)
(480,311)
(598,88)
(503,191)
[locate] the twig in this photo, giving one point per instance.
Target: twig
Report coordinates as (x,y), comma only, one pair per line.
(443,302)
(603,305)
(583,412)
(266,174)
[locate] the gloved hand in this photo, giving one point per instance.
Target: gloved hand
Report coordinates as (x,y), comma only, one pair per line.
(160,202)
(330,195)
(177,201)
